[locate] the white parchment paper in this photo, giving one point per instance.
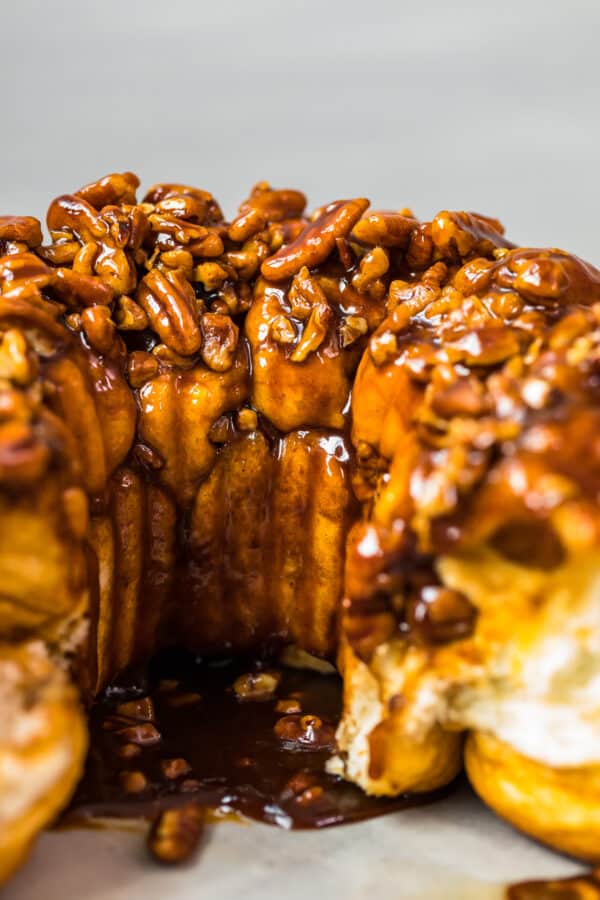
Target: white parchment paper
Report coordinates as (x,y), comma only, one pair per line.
(450,850)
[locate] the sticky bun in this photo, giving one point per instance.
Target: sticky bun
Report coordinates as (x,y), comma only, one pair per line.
(366,437)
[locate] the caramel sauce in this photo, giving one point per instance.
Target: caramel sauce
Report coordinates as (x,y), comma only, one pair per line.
(582,887)
(236,762)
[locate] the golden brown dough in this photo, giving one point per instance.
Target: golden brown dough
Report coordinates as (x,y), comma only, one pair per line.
(473,580)
(223,433)
(42,747)
(560,807)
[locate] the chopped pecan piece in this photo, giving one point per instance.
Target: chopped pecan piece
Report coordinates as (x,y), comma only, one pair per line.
(256,685)
(141,368)
(129,316)
(176,833)
(17,363)
(352,328)
(219,341)
(372,266)
(305,732)
(133,782)
(282,330)
(315,332)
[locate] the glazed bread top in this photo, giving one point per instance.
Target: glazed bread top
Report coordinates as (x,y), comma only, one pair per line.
(159,363)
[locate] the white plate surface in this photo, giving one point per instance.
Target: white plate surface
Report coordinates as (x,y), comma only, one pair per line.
(452,850)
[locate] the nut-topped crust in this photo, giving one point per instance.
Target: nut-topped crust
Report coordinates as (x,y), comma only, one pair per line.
(42,747)
(221,433)
(149,336)
(478,397)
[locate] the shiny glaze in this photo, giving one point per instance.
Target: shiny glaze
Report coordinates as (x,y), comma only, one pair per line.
(228,427)
(233,758)
(481,357)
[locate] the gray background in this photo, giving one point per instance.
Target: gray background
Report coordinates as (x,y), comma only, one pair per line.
(485,106)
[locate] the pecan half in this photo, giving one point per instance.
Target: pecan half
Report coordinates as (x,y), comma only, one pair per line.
(170,304)
(384,229)
(25,229)
(183,206)
(78,290)
(99,328)
(176,833)
(182,231)
(160,192)
(316,242)
(74,214)
(274,205)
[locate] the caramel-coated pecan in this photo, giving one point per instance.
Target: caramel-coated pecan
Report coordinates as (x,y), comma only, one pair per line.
(170,304)
(160,192)
(419,254)
(17,363)
(274,205)
(23,269)
(305,293)
(373,266)
(78,290)
(209,246)
(315,332)
(116,188)
(248,258)
(24,229)
(142,367)
(175,834)
(314,244)
(183,206)
(181,231)
(98,327)
(351,329)
(246,225)
(219,341)
(129,316)
(72,214)
(458,234)
(282,330)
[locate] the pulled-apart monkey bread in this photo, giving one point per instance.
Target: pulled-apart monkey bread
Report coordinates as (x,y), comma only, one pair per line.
(352,437)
